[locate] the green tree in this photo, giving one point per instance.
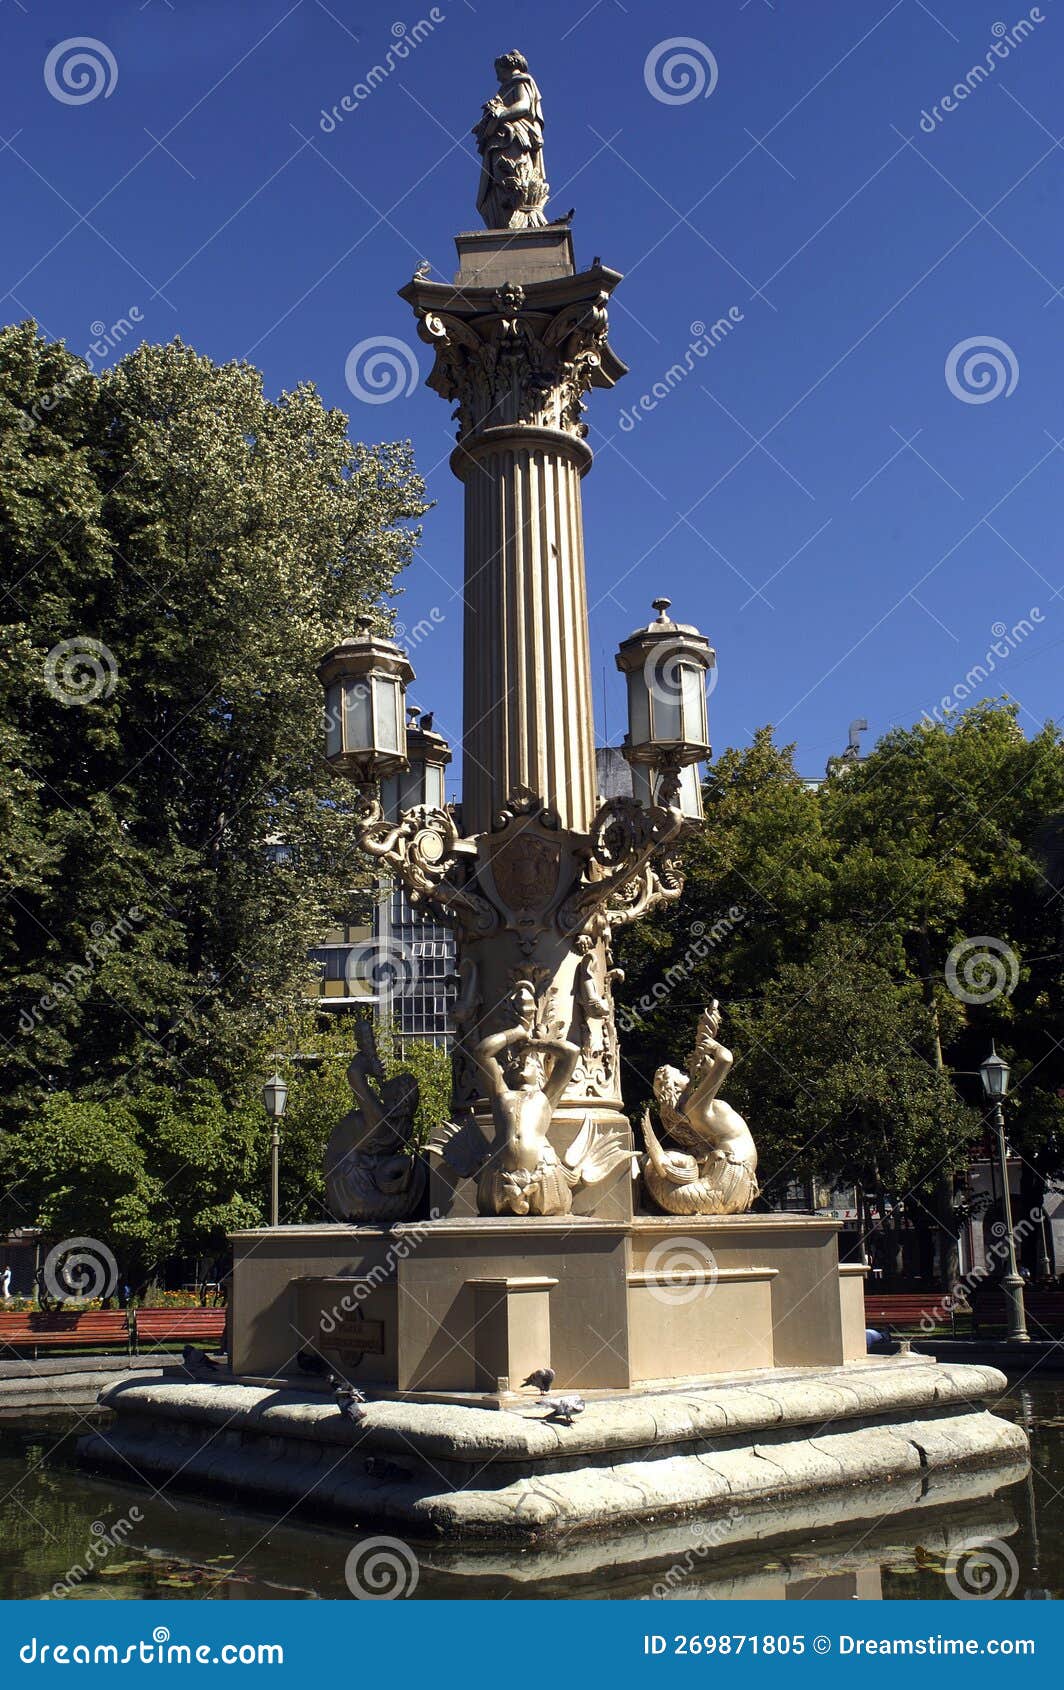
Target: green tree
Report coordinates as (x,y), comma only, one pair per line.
(911,907)
(176,840)
(161,1175)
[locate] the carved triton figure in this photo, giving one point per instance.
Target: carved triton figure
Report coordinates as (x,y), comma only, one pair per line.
(525,1073)
(372,1172)
(720,1177)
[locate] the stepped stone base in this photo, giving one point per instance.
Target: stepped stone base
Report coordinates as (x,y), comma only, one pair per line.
(502,1475)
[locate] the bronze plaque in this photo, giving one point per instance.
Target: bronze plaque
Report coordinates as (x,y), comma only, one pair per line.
(355,1337)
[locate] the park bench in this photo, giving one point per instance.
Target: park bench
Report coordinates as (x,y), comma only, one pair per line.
(1045,1311)
(37,1329)
(912,1311)
(156,1327)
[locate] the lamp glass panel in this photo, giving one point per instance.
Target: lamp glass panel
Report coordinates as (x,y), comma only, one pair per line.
(638,708)
(667,695)
(358,721)
(691,792)
(334,727)
(434,786)
(388,712)
(694,704)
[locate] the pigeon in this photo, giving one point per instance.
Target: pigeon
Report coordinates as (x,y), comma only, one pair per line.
(308,1361)
(351,1403)
(563,1410)
(542,1379)
(198,1361)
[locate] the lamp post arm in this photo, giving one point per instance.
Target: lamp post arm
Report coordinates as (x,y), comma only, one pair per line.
(430,857)
(628,868)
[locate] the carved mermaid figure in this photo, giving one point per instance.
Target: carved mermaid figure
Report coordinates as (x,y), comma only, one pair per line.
(719,1176)
(372,1172)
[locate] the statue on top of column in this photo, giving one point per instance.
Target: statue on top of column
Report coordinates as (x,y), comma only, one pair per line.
(513,188)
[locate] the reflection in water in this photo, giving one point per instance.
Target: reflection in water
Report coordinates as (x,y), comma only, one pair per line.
(68,1535)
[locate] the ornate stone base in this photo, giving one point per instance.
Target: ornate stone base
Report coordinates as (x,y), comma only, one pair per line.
(444,1471)
(625,1301)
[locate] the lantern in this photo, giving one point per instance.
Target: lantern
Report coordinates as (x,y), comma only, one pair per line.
(995,1072)
(275,1097)
(666,664)
(422,783)
(365,728)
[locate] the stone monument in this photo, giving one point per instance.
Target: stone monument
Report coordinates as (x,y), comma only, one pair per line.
(720,1353)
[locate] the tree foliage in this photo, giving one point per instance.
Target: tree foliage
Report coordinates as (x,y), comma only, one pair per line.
(176,550)
(867,938)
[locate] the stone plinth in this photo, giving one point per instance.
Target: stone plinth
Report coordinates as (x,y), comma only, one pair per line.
(618,1302)
(493,257)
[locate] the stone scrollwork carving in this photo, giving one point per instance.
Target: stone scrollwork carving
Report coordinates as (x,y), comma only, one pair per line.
(715,1171)
(630,868)
(425,849)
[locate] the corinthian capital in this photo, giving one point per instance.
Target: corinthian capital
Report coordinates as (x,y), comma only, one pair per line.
(519,354)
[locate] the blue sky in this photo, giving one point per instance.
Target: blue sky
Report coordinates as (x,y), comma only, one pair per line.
(847,525)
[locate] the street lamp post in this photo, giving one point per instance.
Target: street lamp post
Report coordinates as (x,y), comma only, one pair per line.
(995,1073)
(275,1097)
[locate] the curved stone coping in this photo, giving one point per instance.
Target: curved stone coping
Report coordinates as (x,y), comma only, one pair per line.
(608,1427)
(699,1276)
(937,1510)
(541,1502)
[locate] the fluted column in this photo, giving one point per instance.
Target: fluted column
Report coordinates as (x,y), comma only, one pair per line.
(528,710)
(518,342)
